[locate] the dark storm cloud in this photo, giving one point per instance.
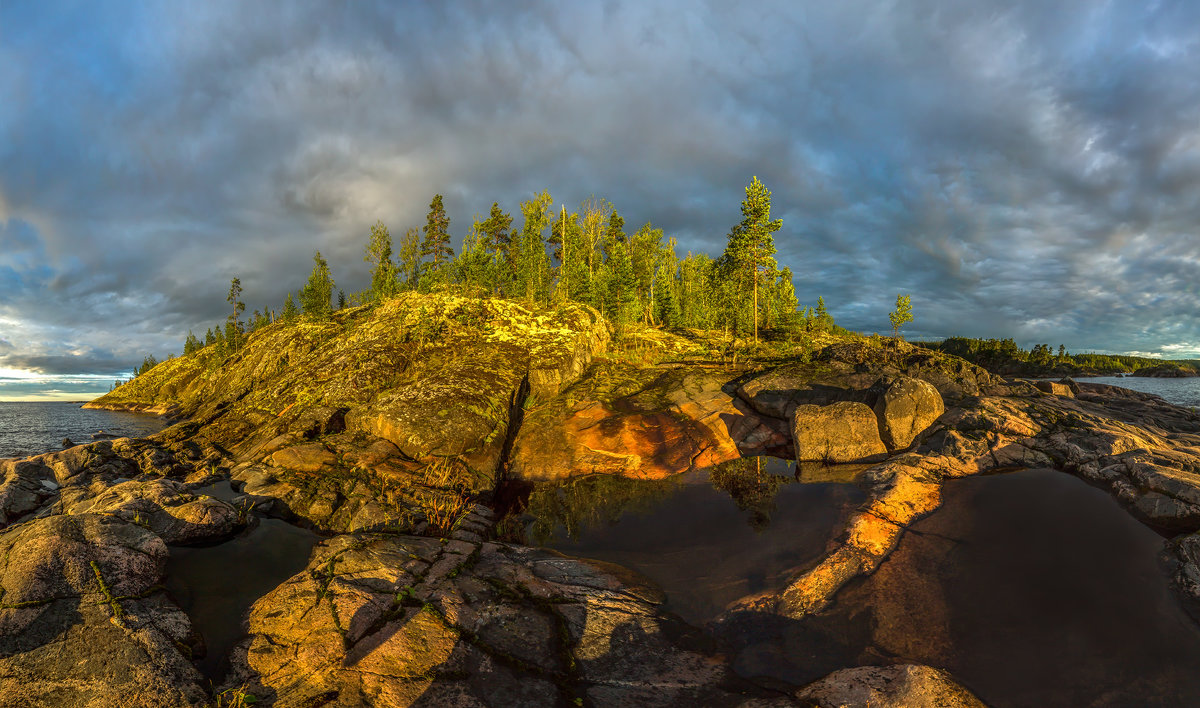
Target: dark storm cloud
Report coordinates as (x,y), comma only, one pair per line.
(1022,169)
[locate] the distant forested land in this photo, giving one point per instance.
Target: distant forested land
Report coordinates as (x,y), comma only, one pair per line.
(1004,357)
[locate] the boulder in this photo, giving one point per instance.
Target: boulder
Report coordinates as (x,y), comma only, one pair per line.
(840,432)
(902,686)
(905,407)
(165,507)
(1054,388)
(84,620)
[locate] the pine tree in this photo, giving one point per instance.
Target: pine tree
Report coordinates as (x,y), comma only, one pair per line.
(497,231)
(824,322)
(751,247)
(437,240)
(290,311)
(317,293)
(233,323)
(378,253)
(191,345)
(475,267)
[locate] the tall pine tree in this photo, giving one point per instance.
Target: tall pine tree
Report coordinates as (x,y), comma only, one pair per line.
(751,248)
(436,244)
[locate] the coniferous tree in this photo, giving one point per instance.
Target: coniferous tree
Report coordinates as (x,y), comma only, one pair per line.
(436,244)
(233,324)
(475,267)
(751,248)
(209,338)
(378,253)
(317,293)
(191,345)
(824,322)
(290,311)
(496,234)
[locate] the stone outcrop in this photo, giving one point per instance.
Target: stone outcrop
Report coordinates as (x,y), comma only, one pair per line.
(84,620)
(641,423)
(905,407)
(839,432)
(165,507)
(397,621)
(902,686)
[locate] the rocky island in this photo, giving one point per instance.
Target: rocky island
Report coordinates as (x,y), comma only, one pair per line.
(400,441)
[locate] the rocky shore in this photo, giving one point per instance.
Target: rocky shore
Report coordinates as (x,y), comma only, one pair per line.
(391,431)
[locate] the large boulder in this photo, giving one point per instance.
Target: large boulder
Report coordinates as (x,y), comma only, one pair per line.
(84,620)
(846,431)
(902,686)
(905,407)
(164,506)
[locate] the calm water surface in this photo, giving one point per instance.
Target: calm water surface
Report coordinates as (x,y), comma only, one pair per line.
(1181,392)
(31,428)
(1032,588)
(706,538)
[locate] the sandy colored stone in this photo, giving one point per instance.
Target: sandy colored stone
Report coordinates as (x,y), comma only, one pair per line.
(840,432)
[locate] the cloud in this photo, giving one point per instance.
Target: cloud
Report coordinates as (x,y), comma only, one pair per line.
(1019,170)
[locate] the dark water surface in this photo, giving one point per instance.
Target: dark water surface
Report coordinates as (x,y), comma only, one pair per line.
(1032,588)
(31,428)
(706,539)
(216,585)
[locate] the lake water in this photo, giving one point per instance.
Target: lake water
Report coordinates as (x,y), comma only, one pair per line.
(1032,588)
(216,584)
(31,428)
(1182,392)
(706,538)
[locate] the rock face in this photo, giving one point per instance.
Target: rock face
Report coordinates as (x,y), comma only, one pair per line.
(640,423)
(905,407)
(165,507)
(840,432)
(397,621)
(904,686)
(84,620)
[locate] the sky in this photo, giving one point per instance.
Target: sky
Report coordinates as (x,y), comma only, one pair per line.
(1021,169)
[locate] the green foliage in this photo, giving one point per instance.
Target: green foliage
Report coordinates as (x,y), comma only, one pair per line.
(290,311)
(531,266)
(191,345)
(408,269)
(233,323)
(749,255)
(147,364)
(901,315)
(317,293)
(436,244)
(378,253)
